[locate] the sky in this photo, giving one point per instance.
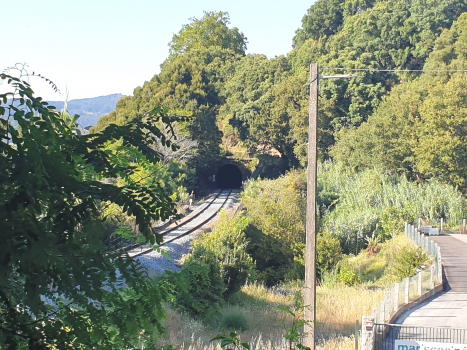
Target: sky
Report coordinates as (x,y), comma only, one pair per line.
(92,48)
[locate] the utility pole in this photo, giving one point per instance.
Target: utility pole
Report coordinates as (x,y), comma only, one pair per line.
(311,219)
(310,255)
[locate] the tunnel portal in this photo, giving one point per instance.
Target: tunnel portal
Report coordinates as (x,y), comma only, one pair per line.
(229,176)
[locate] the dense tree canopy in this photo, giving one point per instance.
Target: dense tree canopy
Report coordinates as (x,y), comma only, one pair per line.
(59,287)
(420,127)
(211,30)
(390,34)
(258,104)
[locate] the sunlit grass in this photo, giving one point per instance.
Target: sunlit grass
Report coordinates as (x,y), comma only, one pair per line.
(338,308)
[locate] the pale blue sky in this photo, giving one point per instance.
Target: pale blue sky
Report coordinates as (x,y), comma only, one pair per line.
(100,47)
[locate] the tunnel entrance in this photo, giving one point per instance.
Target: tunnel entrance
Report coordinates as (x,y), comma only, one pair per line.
(229,176)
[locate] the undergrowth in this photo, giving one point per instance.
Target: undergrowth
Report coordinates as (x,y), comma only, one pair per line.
(253,311)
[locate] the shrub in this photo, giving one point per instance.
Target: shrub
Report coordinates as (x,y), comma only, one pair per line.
(228,245)
(277,231)
(349,275)
(234,320)
(199,287)
(408,261)
(329,253)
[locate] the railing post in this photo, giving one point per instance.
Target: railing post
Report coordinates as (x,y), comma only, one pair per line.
(432,276)
(384,308)
(368,333)
(438,261)
(420,279)
(407,289)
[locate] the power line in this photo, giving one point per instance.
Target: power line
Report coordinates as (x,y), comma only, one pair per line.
(396,70)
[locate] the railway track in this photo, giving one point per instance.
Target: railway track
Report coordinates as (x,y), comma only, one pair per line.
(187,226)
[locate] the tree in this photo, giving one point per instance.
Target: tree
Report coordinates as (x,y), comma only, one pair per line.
(420,127)
(249,96)
(189,84)
(211,30)
(364,34)
(59,287)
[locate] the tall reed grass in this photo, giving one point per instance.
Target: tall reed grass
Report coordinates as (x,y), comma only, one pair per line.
(374,201)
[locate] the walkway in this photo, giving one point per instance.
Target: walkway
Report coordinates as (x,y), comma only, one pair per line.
(449,308)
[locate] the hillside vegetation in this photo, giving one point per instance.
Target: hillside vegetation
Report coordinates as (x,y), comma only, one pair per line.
(249,104)
(391,150)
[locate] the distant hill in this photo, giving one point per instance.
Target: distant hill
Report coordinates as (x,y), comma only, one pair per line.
(90,109)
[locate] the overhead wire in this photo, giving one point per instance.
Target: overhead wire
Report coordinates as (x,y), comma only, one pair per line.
(396,70)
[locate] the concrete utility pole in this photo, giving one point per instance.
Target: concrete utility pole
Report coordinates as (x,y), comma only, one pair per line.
(310,257)
(311,220)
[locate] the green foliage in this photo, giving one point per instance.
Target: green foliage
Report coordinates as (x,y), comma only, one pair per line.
(188,84)
(250,95)
(408,262)
(323,18)
(234,319)
(211,30)
(294,335)
(199,288)
(372,201)
(329,253)
(393,34)
(228,244)
(59,287)
(349,275)
(231,339)
(277,231)
(419,129)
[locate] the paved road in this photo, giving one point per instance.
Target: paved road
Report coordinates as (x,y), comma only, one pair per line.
(449,308)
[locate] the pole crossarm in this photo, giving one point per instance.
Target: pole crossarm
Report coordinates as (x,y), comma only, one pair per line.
(342,76)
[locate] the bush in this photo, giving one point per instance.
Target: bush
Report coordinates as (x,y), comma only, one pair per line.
(277,231)
(329,253)
(408,261)
(349,275)
(199,287)
(234,320)
(228,245)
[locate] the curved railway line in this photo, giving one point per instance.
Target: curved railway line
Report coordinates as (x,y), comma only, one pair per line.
(178,236)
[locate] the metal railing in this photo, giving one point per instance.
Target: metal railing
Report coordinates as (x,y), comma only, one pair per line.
(412,287)
(392,332)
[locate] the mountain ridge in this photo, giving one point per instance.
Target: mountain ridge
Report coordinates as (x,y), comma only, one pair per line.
(90,109)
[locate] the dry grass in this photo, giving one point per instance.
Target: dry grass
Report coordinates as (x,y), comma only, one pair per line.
(337,343)
(338,308)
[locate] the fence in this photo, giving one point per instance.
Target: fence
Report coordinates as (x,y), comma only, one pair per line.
(417,333)
(410,289)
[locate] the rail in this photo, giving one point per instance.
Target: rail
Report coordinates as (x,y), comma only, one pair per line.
(178,224)
(204,222)
(419,334)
